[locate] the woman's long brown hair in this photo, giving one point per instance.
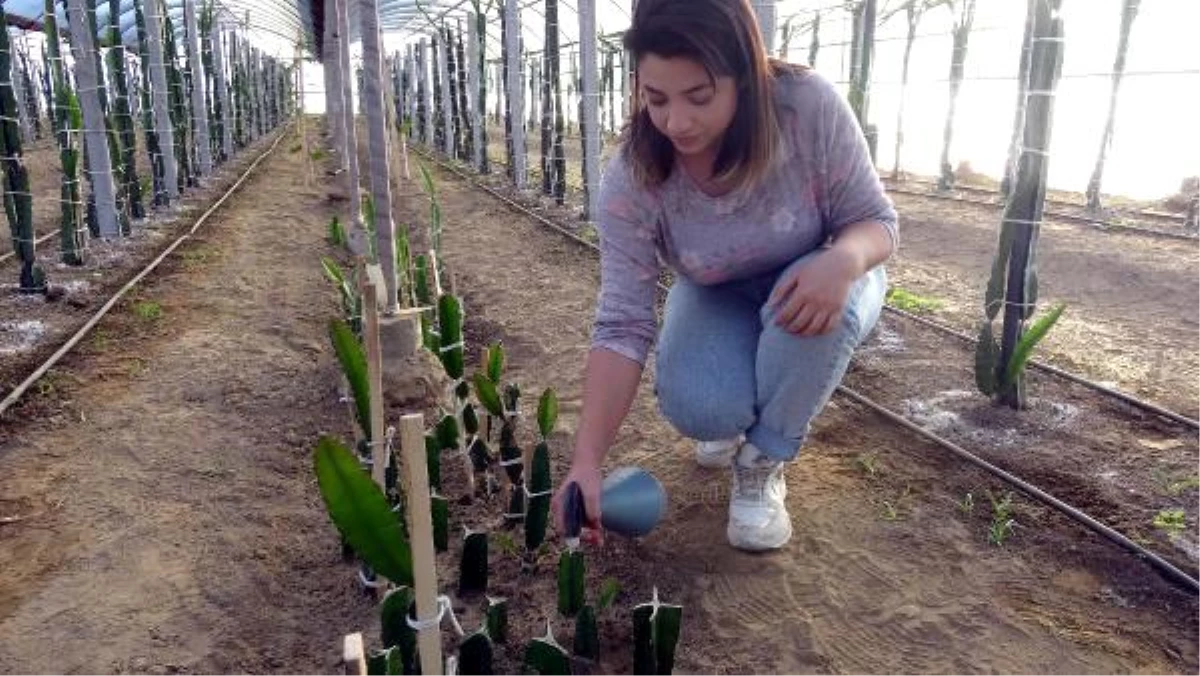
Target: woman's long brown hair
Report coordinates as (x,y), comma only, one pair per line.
(723,37)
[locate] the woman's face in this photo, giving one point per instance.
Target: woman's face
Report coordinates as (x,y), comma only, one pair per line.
(685,105)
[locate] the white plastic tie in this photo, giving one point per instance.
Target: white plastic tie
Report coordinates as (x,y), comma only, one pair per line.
(531,496)
(444,606)
(446,348)
(1025,305)
(369,584)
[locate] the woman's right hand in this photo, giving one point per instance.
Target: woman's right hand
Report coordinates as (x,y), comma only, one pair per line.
(588,477)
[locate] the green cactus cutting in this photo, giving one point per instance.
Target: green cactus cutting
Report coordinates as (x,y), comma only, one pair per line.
(655,635)
(473,572)
(544,655)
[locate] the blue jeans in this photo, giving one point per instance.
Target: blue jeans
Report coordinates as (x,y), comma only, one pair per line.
(724,368)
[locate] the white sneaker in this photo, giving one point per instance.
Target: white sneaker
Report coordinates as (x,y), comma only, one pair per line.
(717,454)
(758,518)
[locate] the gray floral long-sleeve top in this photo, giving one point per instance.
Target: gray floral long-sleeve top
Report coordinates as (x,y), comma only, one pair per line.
(824,181)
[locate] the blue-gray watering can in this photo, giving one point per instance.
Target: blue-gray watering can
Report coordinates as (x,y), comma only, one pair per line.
(632,502)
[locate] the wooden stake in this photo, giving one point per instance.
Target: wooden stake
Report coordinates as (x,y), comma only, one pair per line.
(354,658)
(375,383)
(420,528)
(437,277)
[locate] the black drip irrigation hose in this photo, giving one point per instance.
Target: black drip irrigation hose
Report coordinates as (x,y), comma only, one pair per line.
(1097,223)
(1169,570)
(36,241)
(1178,219)
(16,393)
(1164,566)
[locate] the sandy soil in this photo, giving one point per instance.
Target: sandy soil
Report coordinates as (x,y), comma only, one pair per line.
(170,519)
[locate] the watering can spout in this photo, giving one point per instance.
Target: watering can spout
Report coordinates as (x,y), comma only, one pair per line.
(632,502)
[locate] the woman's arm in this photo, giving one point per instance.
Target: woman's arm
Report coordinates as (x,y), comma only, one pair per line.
(610,382)
(864,245)
(624,330)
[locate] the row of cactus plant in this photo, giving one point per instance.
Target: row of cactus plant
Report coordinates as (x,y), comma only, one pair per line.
(18,202)
(67,121)
(216,113)
(181,118)
(373,528)
(122,115)
(107,107)
(153,149)
(369,524)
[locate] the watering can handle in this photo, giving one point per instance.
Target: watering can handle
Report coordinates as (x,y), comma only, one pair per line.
(574,511)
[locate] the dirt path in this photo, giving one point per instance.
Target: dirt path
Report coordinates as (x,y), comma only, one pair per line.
(173,524)
(886,573)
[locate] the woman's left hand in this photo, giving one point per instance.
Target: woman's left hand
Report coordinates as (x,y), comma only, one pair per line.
(811,298)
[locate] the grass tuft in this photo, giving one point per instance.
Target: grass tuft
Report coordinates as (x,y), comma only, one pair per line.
(148,310)
(902,299)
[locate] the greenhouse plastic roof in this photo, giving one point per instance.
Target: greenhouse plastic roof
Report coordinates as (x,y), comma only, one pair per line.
(274,25)
(275,19)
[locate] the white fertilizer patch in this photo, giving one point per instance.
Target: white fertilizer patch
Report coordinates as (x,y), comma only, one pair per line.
(930,414)
(938,415)
(18,336)
(883,339)
(26,298)
(1057,414)
(934,415)
(74,286)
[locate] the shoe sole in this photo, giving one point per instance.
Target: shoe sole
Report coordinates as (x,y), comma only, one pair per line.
(759,546)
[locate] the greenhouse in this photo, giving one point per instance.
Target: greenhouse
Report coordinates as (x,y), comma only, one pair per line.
(599,336)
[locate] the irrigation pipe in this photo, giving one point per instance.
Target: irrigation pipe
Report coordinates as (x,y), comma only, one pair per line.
(1162,565)
(1029,489)
(1145,213)
(95,319)
(36,241)
(1054,215)
(1067,375)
